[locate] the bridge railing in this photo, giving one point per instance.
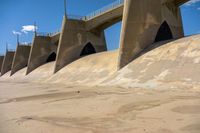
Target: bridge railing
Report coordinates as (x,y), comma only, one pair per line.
(11,50)
(45,34)
(25,44)
(76,17)
(104,9)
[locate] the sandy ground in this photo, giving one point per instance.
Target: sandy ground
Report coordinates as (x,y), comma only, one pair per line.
(56,108)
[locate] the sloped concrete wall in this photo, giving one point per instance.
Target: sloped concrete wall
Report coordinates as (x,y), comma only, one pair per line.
(1,61)
(74,36)
(41,48)
(55,38)
(7,62)
(21,58)
(141,22)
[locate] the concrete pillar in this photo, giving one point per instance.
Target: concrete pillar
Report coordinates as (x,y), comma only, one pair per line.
(7,62)
(41,48)
(1,61)
(141,22)
(21,58)
(74,36)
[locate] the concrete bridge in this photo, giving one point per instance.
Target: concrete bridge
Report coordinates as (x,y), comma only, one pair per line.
(142,25)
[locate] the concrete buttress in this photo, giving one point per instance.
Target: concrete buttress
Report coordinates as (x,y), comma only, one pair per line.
(76,41)
(42,48)
(145,22)
(7,62)
(1,61)
(20,58)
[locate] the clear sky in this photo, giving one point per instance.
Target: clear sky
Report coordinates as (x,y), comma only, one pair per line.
(48,15)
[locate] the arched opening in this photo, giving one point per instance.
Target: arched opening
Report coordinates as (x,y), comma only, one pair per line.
(52,57)
(88,49)
(164,33)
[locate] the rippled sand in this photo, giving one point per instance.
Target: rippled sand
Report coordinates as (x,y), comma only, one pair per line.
(56,108)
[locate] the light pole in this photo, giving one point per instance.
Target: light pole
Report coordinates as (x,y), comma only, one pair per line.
(6,47)
(65,8)
(35,29)
(17,39)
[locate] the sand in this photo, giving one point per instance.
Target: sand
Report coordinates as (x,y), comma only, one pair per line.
(40,108)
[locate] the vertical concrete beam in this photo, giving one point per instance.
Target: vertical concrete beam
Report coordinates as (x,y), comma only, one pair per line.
(41,48)
(7,62)
(141,22)
(74,36)
(20,58)
(1,61)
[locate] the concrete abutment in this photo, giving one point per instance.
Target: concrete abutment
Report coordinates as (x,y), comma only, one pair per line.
(74,36)
(42,48)
(7,62)
(141,22)
(1,61)
(20,58)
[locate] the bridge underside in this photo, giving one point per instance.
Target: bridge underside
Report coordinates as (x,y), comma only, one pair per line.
(105,19)
(145,22)
(180,2)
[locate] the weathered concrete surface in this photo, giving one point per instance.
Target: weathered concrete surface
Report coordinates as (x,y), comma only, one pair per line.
(1,61)
(74,37)
(141,23)
(42,48)
(20,58)
(89,70)
(173,65)
(7,62)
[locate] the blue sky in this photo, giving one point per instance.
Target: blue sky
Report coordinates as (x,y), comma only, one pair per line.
(48,15)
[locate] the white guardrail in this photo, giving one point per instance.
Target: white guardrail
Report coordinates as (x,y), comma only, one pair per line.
(104,9)
(109,7)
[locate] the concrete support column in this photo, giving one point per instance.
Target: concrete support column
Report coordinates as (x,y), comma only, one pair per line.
(140,25)
(1,61)
(7,62)
(41,49)
(74,36)
(21,58)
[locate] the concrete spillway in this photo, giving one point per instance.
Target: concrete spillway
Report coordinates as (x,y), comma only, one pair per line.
(173,64)
(95,68)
